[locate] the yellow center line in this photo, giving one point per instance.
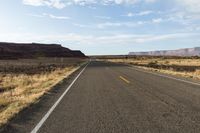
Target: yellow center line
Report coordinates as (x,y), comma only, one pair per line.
(124,79)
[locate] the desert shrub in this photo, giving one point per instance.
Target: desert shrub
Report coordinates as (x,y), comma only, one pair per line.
(152,63)
(167,62)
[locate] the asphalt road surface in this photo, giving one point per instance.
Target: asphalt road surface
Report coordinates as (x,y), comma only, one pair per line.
(113,98)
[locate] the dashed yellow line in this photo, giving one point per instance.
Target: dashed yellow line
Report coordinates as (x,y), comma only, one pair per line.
(124,79)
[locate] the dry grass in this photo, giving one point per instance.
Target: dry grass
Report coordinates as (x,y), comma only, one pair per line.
(185,67)
(160,61)
(193,75)
(18,90)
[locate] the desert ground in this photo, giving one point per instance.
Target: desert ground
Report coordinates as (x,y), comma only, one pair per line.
(24,81)
(188,67)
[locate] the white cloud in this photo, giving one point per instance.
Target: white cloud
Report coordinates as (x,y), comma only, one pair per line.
(59,4)
(129,24)
(51,3)
(124,1)
(130,14)
(34,2)
(119,24)
(103,17)
(82,25)
(187,13)
(55,17)
(142,13)
(184,18)
(190,5)
(49,15)
(157,20)
(72,38)
(150,1)
(35,15)
(109,24)
(84,2)
(126,24)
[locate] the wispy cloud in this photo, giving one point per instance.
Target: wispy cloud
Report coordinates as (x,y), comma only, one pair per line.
(150,1)
(142,13)
(125,24)
(55,17)
(157,20)
(102,17)
(120,39)
(59,4)
(190,5)
(35,15)
(130,24)
(118,24)
(50,16)
(51,3)
(82,25)
(106,25)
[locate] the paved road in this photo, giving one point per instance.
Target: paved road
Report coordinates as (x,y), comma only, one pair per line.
(111,98)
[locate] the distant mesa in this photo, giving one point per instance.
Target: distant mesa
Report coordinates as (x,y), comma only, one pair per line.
(180,52)
(34,50)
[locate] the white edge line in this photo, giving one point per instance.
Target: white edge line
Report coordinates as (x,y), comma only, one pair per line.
(37,127)
(182,80)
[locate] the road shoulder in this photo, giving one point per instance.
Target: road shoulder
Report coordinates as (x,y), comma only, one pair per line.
(26,120)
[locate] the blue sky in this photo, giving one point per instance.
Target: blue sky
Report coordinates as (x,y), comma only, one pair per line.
(103,26)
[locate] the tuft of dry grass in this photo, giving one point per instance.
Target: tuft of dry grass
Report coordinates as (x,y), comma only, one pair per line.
(19,90)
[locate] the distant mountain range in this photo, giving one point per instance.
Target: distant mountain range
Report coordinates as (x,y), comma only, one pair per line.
(34,50)
(180,52)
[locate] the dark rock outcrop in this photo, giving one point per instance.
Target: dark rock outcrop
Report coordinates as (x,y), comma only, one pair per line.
(34,50)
